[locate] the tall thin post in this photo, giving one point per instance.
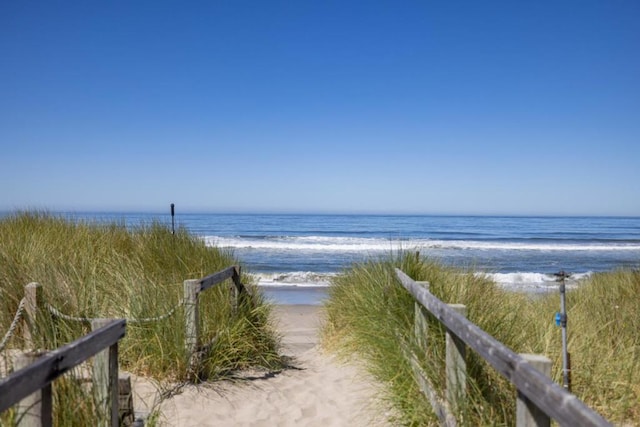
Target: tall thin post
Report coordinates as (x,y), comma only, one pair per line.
(191,321)
(125,401)
(173,223)
(420,325)
(456,364)
(561,320)
(34,296)
(527,413)
(105,381)
(236,288)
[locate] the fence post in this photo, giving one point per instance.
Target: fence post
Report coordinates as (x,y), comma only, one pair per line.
(191,321)
(105,381)
(126,413)
(456,367)
(35,409)
(420,325)
(236,288)
(34,297)
(527,413)
(241,293)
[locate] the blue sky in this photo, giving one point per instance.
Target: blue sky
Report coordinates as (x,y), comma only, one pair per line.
(436,107)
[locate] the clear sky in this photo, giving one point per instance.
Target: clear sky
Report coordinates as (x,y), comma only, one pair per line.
(435,107)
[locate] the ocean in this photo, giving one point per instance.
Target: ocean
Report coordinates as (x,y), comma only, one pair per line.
(295,256)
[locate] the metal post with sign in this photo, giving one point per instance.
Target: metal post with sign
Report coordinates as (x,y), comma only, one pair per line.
(561,320)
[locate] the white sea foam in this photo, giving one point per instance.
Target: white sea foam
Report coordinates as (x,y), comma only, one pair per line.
(527,281)
(520,281)
(303,279)
(308,243)
(355,244)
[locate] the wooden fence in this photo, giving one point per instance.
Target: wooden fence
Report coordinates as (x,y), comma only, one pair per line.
(539,398)
(192,289)
(30,386)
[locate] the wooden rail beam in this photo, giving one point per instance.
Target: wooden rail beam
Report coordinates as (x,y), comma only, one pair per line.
(216,278)
(555,401)
(46,369)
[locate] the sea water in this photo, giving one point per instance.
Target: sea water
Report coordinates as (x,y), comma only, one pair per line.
(295,256)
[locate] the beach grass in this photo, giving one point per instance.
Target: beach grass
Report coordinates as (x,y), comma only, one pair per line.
(370,315)
(109,270)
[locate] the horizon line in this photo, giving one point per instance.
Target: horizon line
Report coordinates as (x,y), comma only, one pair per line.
(309,213)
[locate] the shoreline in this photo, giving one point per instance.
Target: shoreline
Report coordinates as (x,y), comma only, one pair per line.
(315,295)
(294,295)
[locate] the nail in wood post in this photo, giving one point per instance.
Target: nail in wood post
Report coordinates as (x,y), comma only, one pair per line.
(420,325)
(191,322)
(35,409)
(456,364)
(105,381)
(527,413)
(34,296)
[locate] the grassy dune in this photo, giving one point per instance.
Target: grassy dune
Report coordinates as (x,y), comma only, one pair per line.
(96,270)
(370,314)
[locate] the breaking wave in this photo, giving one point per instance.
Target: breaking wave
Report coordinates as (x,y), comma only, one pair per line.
(359,244)
(520,281)
(306,279)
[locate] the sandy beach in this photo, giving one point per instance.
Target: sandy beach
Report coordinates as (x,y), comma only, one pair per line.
(316,390)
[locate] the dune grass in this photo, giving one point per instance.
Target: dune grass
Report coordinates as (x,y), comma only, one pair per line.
(94,270)
(370,315)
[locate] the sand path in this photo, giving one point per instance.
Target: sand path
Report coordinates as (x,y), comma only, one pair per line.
(317,390)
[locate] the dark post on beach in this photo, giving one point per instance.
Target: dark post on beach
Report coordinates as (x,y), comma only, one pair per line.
(173,223)
(561,320)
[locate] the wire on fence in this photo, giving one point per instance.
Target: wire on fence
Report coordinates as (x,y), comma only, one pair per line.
(14,323)
(57,313)
(158,318)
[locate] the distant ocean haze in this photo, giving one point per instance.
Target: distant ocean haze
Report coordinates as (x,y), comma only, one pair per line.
(305,251)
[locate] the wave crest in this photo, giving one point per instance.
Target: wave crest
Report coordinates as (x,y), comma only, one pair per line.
(360,244)
(533,281)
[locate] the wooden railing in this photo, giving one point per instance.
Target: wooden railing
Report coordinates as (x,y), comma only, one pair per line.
(30,386)
(39,369)
(539,398)
(192,289)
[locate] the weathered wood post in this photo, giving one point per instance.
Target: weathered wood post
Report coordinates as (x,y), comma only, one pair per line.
(191,321)
(242,295)
(34,296)
(236,288)
(456,367)
(420,325)
(105,381)
(126,414)
(35,409)
(527,413)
